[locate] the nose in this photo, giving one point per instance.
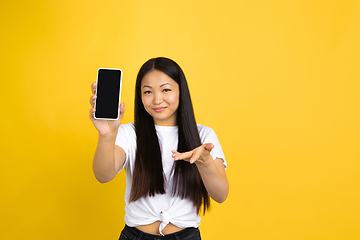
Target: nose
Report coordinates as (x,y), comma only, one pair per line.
(158,99)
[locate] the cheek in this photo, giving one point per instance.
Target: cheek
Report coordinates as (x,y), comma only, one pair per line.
(145,101)
(174,100)
(146,105)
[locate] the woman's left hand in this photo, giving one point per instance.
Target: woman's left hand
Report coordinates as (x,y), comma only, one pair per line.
(198,155)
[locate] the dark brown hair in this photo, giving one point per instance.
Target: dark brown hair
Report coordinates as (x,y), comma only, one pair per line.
(148,176)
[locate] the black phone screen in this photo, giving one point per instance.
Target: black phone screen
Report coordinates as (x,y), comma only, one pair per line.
(108,93)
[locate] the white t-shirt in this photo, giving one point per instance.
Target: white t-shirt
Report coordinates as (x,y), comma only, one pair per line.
(161,207)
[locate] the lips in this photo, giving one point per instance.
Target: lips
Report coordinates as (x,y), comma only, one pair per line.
(159,109)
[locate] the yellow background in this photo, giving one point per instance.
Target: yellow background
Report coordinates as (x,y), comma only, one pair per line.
(278,81)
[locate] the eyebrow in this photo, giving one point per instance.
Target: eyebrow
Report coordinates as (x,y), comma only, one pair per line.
(160,85)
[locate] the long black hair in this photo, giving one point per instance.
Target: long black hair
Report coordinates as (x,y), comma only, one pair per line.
(148,176)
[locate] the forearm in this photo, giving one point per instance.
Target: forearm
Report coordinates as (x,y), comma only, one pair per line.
(214,178)
(104,158)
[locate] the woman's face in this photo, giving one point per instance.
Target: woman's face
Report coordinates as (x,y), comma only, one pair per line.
(160,96)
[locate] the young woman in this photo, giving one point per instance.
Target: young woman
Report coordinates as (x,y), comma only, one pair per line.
(172,164)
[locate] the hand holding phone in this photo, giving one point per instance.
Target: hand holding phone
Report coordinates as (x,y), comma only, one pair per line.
(107,124)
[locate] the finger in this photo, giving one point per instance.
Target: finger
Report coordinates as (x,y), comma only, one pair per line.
(195,156)
(175,152)
(176,155)
(122,108)
(208,146)
(93,87)
(92,100)
(183,156)
(92,111)
(121,111)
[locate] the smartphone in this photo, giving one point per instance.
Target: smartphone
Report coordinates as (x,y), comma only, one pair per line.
(108,93)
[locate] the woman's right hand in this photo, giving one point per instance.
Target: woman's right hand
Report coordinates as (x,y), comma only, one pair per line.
(105,127)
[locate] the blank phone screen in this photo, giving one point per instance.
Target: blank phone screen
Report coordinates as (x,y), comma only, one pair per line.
(108,93)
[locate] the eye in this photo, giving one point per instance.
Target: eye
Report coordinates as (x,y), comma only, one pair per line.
(166,90)
(147,92)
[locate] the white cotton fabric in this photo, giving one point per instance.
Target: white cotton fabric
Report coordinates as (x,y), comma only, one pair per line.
(161,207)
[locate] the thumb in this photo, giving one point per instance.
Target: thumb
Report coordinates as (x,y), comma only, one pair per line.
(122,108)
(208,146)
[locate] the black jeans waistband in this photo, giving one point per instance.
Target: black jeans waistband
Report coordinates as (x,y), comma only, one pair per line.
(134,233)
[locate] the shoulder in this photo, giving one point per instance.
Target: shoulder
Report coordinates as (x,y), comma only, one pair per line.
(207,134)
(204,130)
(127,127)
(126,132)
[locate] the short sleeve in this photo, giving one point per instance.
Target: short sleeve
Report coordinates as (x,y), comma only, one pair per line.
(126,139)
(208,135)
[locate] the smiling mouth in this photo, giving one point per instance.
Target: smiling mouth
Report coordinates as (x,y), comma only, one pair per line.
(159,109)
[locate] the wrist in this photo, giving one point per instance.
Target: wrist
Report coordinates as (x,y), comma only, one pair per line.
(205,163)
(108,136)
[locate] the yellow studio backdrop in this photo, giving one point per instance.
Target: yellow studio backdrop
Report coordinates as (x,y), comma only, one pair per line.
(278,81)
